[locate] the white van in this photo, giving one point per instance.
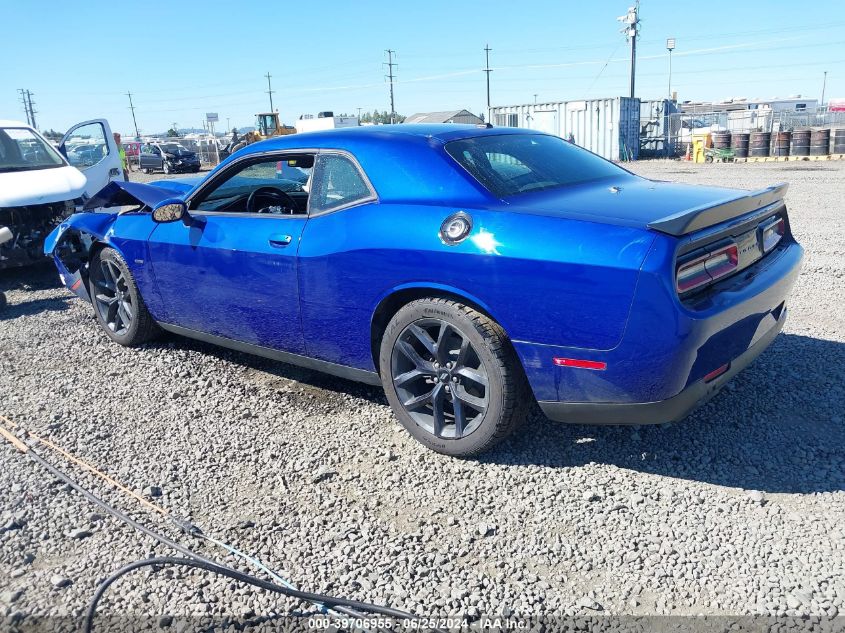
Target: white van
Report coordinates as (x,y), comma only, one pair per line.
(40,186)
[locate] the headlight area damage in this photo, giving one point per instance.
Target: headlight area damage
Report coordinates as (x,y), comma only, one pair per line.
(70,244)
(29,225)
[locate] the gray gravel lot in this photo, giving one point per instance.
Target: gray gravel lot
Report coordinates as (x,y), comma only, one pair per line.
(737,510)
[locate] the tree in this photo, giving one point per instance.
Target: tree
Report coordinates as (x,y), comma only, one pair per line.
(172,133)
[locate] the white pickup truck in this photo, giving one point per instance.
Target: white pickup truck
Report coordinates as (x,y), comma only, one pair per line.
(40,186)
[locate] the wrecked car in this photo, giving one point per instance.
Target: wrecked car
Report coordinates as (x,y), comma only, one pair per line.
(40,186)
(468,270)
(169,158)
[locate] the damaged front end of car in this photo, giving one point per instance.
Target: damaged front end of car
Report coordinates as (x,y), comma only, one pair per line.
(71,244)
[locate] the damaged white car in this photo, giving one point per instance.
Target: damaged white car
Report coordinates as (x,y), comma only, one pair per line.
(39,186)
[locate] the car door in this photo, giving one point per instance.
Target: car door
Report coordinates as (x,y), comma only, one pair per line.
(232,272)
(98,158)
(156,158)
(145,157)
(337,273)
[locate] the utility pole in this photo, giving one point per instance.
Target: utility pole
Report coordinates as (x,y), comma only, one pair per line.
(32,110)
(25,105)
(487,71)
(391,77)
(134,121)
(270,91)
(631,31)
(824,85)
(670,46)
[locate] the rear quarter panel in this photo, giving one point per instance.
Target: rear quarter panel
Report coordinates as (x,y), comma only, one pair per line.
(545,280)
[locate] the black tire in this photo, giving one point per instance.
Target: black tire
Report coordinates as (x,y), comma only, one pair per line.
(504,391)
(114,298)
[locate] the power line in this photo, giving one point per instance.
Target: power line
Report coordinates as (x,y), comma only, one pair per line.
(270,91)
(132,108)
(390,77)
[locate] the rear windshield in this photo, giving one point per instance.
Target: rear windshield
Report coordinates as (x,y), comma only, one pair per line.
(511,164)
(22,150)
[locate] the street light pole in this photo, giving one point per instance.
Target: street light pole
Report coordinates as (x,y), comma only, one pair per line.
(670,46)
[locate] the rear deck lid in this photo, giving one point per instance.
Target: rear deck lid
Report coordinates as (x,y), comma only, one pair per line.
(673,208)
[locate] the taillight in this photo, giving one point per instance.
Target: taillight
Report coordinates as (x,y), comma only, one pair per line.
(707,268)
(771,233)
(722,262)
(692,275)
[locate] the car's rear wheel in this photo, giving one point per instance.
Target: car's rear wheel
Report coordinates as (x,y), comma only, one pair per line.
(118,305)
(452,377)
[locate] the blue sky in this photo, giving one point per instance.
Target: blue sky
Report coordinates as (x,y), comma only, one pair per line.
(181,59)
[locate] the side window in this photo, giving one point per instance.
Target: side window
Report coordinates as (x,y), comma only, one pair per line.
(87,146)
(277,186)
(338,182)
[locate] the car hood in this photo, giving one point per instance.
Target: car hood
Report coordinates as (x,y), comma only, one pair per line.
(122,193)
(41,186)
(627,200)
(178,186)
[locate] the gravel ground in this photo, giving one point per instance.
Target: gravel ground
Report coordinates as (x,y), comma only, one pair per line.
(738,510)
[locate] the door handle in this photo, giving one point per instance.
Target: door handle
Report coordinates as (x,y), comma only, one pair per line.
(280,241)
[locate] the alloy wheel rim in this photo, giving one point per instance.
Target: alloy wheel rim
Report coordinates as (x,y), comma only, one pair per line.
(113,298)
(440,378)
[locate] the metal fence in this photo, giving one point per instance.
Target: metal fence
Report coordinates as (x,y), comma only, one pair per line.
(682,125)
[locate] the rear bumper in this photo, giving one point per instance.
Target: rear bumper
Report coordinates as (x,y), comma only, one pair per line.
(669,410)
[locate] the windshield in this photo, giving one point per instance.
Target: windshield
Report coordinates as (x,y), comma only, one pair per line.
(512,164)
(22,150)
(172,148)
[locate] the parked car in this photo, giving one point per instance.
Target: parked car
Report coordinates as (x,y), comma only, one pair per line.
(468,270)
(40,187)
(169,158)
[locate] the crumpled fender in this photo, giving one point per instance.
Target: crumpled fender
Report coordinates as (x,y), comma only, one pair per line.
(124,193)
(96,224)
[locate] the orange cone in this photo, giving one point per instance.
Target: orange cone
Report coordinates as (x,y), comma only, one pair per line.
(687,155)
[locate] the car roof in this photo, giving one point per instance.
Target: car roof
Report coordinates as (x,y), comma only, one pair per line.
(11,123)
(427,172)
(414,133)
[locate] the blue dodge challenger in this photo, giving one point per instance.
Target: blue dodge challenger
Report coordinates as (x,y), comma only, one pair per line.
(468,270)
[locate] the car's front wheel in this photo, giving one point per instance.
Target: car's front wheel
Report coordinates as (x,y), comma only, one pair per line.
(118,305)
(452,377)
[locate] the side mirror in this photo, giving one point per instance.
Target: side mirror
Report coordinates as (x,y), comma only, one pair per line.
(170,211)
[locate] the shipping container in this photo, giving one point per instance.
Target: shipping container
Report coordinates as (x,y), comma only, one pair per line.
(607,127)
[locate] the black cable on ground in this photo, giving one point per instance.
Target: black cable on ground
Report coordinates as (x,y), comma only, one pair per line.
(241,577)
(198,561)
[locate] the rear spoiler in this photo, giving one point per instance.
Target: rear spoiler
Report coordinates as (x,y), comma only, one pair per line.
(706,215)
(120,193)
